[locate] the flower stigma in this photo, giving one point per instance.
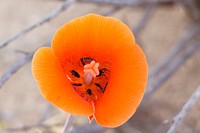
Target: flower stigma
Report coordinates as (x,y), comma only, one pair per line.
(90,71)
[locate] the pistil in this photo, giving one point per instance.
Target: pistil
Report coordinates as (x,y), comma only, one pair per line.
(90,71)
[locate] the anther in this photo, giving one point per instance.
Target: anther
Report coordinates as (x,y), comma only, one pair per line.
(89,91)
(74,73)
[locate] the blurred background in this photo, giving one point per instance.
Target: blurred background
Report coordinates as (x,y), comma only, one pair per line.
(167,31)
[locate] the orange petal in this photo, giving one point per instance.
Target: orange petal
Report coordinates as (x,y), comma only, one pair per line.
(125,89)
(92,36)
(54,86)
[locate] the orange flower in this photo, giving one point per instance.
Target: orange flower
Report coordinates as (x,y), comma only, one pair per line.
(94,68)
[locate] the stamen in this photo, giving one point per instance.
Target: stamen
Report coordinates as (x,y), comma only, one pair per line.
(90,71)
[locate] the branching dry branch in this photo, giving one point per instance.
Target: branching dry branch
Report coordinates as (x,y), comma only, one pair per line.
(94,128)
(180,116)
(25,128)
(175,50)
(171,68)
(145,18)
(14,68)
(128,2)
(62,7)
(68,123)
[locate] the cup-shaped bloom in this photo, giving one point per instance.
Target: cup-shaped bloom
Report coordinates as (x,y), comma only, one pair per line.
(94,68)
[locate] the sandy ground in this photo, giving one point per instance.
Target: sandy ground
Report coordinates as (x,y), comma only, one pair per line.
(21,103)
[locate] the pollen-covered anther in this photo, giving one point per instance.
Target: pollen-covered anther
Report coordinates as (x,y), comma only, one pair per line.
(90,71)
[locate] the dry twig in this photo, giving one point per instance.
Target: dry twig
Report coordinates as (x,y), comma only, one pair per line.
(171,68)
(180,116)
(26,128)
(94,128)
(68,123)
(62,7)
(174,51)
(128,2)
(144,19)
(14,68)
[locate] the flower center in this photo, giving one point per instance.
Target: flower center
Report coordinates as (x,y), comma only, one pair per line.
(90,71)
(88,78)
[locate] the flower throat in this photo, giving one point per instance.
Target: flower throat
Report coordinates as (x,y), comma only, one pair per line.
(88,77)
